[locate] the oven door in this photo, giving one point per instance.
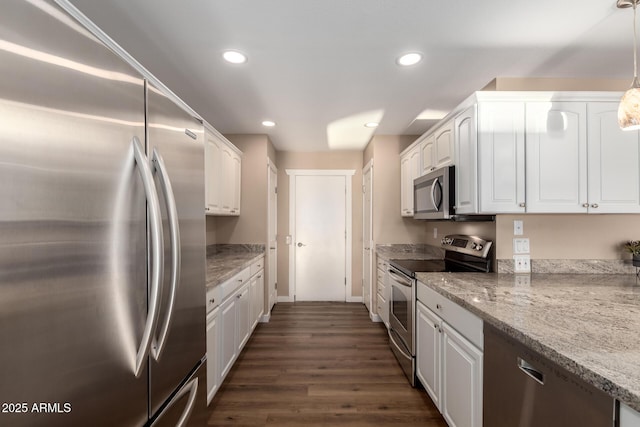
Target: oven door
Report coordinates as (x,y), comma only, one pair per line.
(401,321)
(401,307)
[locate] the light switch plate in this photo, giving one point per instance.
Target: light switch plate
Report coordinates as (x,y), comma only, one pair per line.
(521,245)
(518,227)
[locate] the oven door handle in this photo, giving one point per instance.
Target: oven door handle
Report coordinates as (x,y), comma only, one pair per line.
(400,279)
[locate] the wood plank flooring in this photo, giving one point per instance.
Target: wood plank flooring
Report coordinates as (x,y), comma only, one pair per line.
(320,364)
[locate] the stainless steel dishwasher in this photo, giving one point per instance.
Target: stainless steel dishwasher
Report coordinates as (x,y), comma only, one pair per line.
(524,389)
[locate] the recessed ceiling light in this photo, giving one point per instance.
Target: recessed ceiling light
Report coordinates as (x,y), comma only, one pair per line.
(234,57)
(268,123)
(371,125)
(410,58)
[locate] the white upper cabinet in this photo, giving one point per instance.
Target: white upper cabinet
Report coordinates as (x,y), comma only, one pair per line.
(466,155)
(501,157)
(556,156)
(436,150)
(223,169)
(613,162)
(410,169)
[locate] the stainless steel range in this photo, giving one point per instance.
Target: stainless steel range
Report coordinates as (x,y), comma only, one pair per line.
(462,254)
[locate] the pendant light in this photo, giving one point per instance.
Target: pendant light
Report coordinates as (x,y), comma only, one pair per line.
(629,109)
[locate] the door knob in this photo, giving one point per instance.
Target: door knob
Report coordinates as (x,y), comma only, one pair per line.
(301,244)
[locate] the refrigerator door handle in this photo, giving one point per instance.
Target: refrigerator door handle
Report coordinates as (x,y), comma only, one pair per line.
(174,230)
(157,254)
(192,388)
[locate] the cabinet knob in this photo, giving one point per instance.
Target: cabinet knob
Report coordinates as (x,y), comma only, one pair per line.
(239,296)
(212,300)
(595,205)
(438,306)
(585,205)
(522,205)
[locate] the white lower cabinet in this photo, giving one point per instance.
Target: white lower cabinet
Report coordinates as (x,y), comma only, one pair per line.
(628,417)
(230,324)
(213,371)
(382,292)
(461,370)
(448,363)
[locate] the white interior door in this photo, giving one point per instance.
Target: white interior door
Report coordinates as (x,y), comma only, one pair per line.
(272,254)
(367,255)
(320,232)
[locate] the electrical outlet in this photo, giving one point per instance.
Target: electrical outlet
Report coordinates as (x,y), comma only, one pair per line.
(521,246)
(521,264)
(518,227)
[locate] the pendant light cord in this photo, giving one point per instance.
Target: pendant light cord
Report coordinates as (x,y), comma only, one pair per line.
(635,60)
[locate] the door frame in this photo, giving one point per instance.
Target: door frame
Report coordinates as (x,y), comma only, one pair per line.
(348,175)
(272,211)
(368,168)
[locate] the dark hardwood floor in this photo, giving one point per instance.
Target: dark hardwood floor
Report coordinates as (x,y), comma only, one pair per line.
(320,364)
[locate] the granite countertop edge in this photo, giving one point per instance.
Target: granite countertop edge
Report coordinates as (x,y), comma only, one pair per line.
(586,373)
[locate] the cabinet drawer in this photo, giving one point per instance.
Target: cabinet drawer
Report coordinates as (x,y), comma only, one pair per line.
(230,286)
(381,282)
(462,320)
(257,266)
(214,296)
(380,304)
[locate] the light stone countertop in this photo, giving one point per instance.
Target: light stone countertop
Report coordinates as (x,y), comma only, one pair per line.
(587,323)
(225,261)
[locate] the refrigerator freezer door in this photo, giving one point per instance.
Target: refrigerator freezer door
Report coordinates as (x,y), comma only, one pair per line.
(178,139)
(73,249)
(188,407)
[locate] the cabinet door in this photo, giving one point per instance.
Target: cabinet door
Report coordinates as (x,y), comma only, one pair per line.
(443,146)
(236,182)
(213,354)
(229,325)
(228,179)
(243,316)
(257,298)
(213,174)
(428,338)
(465,134)
(501,157)
(556,157)
(427,149)
(406,183)
(614,162)
(628,417)
(461,380)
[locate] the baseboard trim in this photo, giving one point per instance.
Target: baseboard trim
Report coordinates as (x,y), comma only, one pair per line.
(285,298)
(355,299)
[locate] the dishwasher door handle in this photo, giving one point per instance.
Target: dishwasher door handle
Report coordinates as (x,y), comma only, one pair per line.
(529,370)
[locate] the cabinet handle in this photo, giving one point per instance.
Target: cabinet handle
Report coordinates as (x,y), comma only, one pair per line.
(240,280)
(212,300)
(522,205)
(260,276)
(585,205)
(438,306)
(239,296)
(595,205)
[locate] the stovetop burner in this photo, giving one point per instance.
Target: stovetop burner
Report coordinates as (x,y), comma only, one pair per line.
(463,254)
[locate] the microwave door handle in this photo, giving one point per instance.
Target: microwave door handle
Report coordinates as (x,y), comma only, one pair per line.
(157,254)
(436,184)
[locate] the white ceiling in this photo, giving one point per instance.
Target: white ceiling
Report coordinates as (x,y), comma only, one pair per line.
(313,64)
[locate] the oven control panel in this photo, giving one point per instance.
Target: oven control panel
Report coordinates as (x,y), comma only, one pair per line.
(470,245)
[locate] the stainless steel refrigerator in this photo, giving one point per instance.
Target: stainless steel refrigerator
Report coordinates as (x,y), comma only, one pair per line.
(102,234)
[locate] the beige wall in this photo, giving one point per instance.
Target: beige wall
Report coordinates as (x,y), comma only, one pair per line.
(388,225)
(569,236)
(320,160)
(251,225)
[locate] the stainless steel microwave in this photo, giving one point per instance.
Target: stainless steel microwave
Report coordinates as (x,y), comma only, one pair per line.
(434,194)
